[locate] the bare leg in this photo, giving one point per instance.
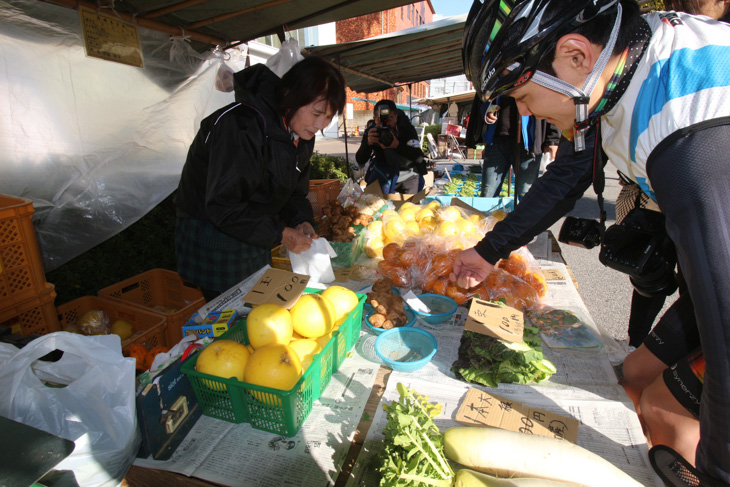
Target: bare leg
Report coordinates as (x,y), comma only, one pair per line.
(667,422)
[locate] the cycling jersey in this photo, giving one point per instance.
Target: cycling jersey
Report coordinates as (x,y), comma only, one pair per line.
(681,82)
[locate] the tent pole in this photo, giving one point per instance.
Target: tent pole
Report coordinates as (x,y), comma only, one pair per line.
(344,124)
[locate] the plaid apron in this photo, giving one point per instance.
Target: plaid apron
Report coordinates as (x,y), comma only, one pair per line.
(212,259)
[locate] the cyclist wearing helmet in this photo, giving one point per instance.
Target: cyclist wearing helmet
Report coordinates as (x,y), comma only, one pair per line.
(650,94)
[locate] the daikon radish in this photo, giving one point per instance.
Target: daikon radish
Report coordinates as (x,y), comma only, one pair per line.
(471,478)
(510,454)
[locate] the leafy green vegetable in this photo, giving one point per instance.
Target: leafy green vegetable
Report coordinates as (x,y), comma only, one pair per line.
(413,453)
(488,361)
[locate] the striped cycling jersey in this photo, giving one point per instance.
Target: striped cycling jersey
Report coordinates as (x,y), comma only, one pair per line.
(682,80)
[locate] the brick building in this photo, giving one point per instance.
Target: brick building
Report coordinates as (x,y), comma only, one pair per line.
(373,25)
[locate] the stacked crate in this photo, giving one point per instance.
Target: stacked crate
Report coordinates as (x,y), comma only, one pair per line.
(26,299)
(162,292)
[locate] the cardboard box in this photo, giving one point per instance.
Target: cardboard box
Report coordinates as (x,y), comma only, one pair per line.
(166,411)
(475,154)
(479,204)
(213,326)
(397,198)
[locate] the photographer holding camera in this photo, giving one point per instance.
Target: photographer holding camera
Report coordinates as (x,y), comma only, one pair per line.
(390,144)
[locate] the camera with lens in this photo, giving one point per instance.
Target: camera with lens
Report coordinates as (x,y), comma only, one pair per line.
(385,134)
(638,246)
(580,232)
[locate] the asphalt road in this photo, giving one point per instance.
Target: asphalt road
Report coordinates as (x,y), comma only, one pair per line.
(606,292)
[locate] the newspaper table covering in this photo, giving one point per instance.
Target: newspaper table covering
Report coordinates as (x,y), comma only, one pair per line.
(239,455)
(585,387)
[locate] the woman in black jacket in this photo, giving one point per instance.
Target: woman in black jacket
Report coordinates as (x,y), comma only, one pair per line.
(245,182)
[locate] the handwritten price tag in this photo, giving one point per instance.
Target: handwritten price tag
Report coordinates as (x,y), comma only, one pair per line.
(553,275)
(482,408)
(495,320)
(343,274)
(277,286)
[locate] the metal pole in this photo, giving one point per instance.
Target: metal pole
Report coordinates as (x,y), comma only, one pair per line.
(344,124)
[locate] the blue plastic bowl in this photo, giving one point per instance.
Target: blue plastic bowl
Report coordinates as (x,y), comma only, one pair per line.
(406,349)
(410,316)
(442,308)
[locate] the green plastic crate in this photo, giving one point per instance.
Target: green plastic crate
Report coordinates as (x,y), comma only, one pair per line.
(349,333)
(273,410)
(348,252)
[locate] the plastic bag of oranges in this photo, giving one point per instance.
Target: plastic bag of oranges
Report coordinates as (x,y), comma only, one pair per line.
(523,265)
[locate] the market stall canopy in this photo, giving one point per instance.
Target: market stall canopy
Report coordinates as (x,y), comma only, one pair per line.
(420,53)
(436,101)
(222,22)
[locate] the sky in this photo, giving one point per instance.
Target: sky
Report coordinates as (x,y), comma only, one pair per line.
(447,8)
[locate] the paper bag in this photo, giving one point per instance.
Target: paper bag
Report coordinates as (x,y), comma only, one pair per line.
(315,262)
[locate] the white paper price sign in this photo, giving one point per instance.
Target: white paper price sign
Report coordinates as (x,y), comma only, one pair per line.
(495,320)
(279,287)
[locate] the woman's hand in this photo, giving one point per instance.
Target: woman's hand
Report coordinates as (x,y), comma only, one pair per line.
(295,240)
(470,269)
(308,229)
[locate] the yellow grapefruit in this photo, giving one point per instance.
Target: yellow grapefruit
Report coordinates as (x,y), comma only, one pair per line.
(324,340)
(269,323)
(123,328)
(413,228)
(409,213)
(225,359)
(276,366)
(423,213)
(374,247)
(344,301)
(306,349)
(450,213)
(313,315)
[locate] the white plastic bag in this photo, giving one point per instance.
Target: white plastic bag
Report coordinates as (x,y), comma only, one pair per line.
(288,56)
(91,403)
(349,193)
(316,262)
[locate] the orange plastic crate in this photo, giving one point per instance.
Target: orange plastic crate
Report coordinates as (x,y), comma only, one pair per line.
(149,327)
(32,316)
(163,292)
(21,268)
(321,192)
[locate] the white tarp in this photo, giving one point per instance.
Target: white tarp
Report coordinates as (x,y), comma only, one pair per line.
(94,144)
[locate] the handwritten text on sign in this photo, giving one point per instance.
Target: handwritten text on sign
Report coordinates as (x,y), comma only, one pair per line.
(482,408)
(110,38)
(279,287)
(495,320)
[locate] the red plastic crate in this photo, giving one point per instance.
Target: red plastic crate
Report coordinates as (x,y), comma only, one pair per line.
(163,292)
(321,192)
(149,327)
(21,268)
(32,316)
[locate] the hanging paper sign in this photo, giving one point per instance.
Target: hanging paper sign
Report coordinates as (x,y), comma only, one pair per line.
(110,38)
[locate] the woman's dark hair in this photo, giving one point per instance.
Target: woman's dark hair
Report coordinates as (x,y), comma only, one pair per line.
(308,80)
(598,32)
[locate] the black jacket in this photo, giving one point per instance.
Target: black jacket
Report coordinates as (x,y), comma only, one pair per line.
(393,160)
(550,197)
(243,171)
